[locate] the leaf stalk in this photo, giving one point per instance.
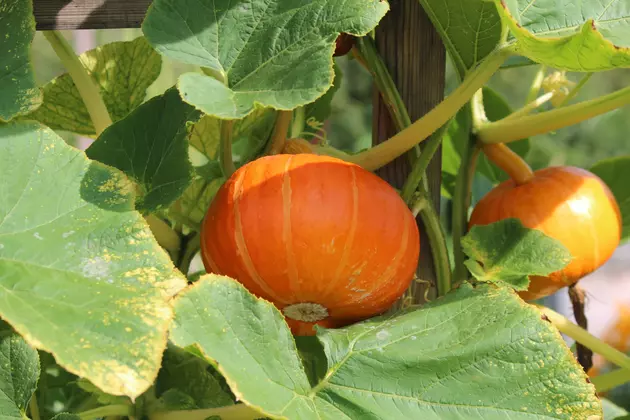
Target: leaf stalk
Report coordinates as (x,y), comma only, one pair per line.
(86,86)
(505,131)
(421,129)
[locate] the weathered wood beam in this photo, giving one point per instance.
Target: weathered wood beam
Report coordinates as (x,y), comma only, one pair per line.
(89,14)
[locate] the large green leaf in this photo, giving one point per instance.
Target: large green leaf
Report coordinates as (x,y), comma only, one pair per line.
(122,70)
(20,93)
(470,29)
(506,251)
(615,172)
(275,53)
(578,36)
(477,353)
(19,372)
(250,136)
(81,275)
(149,145)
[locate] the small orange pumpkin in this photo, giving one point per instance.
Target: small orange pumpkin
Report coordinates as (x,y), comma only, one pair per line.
(326,241)
(569,204)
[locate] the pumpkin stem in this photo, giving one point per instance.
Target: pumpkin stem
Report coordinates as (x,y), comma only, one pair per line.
(279,135)
(306,312)
(509,162)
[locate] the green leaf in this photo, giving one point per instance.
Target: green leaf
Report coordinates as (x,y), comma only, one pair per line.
(581,36)
(470,29)
(479,352)
(19,372)
(149,145)
(250,136)
(81,275)
(270,53)
(20,94)
(188,382)
(100,396)
(615,172)
(122,70)
(508,252)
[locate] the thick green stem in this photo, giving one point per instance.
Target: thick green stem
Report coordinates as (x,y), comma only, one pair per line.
(299,121)
(383,80)
(406,139)
(232,412)
(108,410)
(461,203)
(164,234)
(437,239)
(225,152)
(585,338)
(279,135)
(414,180)
(611,380)
(82,80)
(504,131)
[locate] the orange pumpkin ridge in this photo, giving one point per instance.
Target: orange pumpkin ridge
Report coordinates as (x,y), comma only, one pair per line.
(569,204)
(326,241)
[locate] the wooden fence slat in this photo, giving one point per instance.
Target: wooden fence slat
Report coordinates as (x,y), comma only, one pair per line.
(89,14)
(416,59)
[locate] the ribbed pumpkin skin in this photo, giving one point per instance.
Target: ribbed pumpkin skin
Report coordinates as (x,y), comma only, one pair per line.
(308,228)
(568,204)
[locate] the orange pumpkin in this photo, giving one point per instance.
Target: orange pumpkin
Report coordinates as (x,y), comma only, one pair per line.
(326,241)
(569,204)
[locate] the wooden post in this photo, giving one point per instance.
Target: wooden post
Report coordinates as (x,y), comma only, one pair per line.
(415,57)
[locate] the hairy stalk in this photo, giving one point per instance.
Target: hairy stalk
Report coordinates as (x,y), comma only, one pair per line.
(414,180)
(509,162)
(108,410)
(504,131)
(82,80)
(576,89)
(164,234)
(369,56)
(536,84)
(232,412)
(406,139)
(611,380)
(299,121)
(585,338)
(225,148)
(279,135)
